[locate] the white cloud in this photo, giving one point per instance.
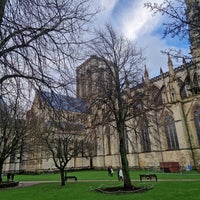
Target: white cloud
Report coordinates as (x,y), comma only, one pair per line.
(107,6)
(137,24)
(105,11)
(152,51)
(155,60)
(137,21)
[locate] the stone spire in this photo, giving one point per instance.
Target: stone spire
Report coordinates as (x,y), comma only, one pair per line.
(184,62)
(174,90)
(146,76)
(161,73)
(170,66)
(164,92)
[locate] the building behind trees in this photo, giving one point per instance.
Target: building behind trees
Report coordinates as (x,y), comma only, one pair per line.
(168,132)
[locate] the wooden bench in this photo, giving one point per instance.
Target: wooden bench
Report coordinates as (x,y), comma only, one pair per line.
(71,177)
(148,176)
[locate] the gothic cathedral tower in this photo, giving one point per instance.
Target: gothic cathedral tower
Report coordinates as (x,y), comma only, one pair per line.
(90,77)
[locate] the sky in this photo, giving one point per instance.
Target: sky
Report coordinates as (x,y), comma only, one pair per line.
(135,22)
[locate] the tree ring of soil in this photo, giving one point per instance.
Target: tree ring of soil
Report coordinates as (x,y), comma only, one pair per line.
(121,190)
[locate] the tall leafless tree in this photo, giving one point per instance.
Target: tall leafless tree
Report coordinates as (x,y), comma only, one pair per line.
(38,44)
(121,62)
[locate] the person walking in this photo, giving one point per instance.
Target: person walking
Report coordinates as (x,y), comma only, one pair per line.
(111,171)
(120,175)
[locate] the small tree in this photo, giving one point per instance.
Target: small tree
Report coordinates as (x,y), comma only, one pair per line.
(89,145)
(13,130)
(120,60)
(62,142)
(60,135)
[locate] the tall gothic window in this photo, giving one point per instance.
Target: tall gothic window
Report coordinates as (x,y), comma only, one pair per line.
(196,88)
(157,95)
(12,158)
(171,134)
(197,122)
(108,139)
(146,146)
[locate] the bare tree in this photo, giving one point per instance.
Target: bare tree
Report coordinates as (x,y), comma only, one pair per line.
(111,102)
(38,39)
(62,142)
(38,45)
(13,130)
(183,21)
(89,145)
(60,133)
(176,11)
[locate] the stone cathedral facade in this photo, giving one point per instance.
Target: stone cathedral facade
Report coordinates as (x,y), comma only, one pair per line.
(172,136)
(174,133)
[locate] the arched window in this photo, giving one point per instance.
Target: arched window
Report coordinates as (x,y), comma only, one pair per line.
(181,85)
(107,130)
(196,88)
(197,122)
(157,95)
(146,147)
(171,135)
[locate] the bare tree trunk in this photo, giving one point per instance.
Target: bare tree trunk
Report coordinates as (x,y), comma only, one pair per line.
(91,162)
(2,9)
(124,160)
(62,174)
(1,169)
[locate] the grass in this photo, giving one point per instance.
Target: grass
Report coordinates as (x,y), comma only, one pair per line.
(102,175)
(169,186)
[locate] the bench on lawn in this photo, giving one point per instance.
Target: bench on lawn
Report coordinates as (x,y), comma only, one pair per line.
(148,176)
(70,177)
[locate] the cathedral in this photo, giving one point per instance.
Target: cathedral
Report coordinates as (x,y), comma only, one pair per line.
(172,134)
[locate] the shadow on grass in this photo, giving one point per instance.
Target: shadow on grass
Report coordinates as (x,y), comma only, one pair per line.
(8,184)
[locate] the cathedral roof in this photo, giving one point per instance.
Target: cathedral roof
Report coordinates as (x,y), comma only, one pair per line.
(64,102)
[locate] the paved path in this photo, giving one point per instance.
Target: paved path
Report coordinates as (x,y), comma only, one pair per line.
(31,183)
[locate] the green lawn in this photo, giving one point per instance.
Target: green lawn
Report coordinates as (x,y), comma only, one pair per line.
(102,175)
(169,186)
